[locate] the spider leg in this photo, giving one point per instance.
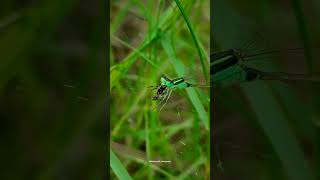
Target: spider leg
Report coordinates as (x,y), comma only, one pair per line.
(162,99)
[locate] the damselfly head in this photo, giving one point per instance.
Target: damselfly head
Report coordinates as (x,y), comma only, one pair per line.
(159,92)
(161,89)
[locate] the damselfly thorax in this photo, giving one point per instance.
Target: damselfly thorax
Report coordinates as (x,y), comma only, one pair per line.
(168,85)
(226,68)
(164,90)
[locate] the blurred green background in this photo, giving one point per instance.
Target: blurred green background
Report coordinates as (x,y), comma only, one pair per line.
(149,39)
(268,130)
(52,89)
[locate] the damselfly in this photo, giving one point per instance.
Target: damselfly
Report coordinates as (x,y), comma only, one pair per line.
(164,90)
(228,67)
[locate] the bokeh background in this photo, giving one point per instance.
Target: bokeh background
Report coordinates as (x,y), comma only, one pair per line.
(150,39)
(268,130)
(53,89)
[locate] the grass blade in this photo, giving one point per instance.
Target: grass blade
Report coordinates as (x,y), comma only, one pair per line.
(310,58)
(191,169)
(118,167)
(277,130)
(195,39)
(118,71)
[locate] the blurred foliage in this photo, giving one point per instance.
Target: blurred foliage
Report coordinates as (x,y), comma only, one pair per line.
(150,39)
(268,130)
(52,89)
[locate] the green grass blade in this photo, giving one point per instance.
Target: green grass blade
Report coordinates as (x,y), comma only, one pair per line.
(118,167)
(118,71)
(277,130)
(298,114)
(141,54)
(303,30)
(191,169)
(194,37)
(115,23)
(302,26)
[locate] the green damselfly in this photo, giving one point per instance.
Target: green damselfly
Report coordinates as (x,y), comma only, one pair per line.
(228,67)
(164,90)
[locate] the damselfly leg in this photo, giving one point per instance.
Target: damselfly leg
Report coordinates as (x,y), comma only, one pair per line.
(167,97)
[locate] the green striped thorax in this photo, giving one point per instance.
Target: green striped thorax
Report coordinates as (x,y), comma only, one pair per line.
(177,83)
(226,68)
(167,85)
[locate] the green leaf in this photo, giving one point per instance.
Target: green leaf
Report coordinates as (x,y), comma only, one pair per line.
(118,167)
(276,128)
